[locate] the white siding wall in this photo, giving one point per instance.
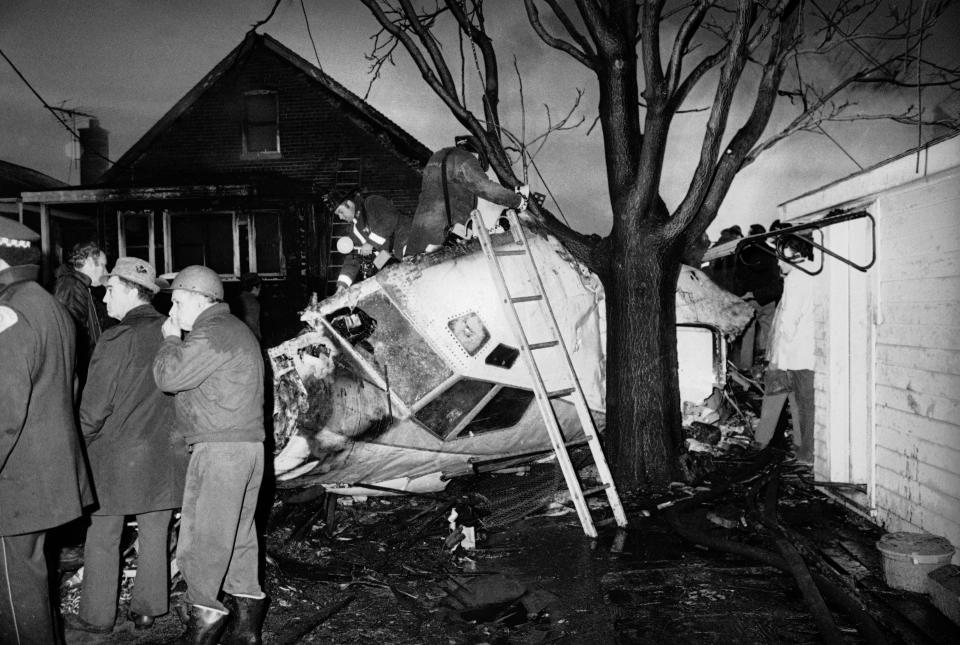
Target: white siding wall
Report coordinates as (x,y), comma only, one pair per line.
(916,348)
(918,358)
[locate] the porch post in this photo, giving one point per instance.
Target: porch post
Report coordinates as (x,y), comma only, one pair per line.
(45,270)
(20,209)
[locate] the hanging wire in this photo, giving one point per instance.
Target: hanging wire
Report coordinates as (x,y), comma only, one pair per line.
(923,10)
(50,108)
(310,34)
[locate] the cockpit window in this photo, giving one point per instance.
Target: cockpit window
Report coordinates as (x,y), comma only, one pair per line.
(442,416)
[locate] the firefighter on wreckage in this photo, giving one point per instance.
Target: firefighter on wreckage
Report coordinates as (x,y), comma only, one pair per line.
(376,226)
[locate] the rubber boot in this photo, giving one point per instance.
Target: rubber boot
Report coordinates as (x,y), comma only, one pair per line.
(246,620)
(204,627)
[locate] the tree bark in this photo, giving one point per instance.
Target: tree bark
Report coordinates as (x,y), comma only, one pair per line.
(643,401)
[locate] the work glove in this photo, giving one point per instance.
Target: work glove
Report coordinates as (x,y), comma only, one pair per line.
(524,192)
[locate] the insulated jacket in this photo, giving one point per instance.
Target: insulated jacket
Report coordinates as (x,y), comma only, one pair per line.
(379,224)
(72,290)
(43,479)
(138,464)
(465,182)
(216,373)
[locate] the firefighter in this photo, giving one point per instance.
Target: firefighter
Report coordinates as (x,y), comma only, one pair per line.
(376,227)
(453,179)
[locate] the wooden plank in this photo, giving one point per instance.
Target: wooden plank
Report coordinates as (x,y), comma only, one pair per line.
(928,241)
(922,496)
(922,405)
(916,464)
(944,361)
(927,265)
(946,458)
(918,428)
(922,207)
(927,336)
(922,313)
(920,381)
(896,288)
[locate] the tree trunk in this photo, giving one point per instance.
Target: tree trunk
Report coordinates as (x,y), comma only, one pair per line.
(643,391)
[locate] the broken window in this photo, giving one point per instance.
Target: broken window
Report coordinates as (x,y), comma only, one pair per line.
(230,243)
(137,236)
(261,132)
(504,410)
(443,415)
(203,238)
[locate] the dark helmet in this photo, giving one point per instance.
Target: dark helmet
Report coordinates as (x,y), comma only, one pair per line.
(470,143)
(337,196)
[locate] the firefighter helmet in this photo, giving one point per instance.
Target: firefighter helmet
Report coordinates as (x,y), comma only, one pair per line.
(199,279)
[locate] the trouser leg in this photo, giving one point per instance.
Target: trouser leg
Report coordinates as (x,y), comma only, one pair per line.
(26,614)
(217,479)
(152,586)
(242,578)
(803,413)
(101,570)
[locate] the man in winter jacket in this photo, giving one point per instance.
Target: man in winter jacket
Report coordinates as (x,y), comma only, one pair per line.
(216,373)
(137,466)
(377,227)
(453,179)
(75,281)
(43,480)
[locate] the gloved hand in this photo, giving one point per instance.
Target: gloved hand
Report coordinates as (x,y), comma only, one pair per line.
(524,192)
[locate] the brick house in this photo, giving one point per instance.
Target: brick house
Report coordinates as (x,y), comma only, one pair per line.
(233,174)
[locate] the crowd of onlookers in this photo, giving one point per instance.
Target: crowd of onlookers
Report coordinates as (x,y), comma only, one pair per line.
(111,409)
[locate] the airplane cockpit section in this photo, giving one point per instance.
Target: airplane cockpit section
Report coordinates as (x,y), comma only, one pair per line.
(415,374)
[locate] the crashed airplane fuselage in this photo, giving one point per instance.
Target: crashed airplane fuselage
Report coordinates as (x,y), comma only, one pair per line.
(415,374)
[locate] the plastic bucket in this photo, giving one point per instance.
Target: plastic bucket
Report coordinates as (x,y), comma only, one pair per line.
(909,557)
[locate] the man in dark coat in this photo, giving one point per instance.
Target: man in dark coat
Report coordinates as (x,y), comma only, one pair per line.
(138,466)
(453,179)
(377,226)
(43,480)
(76,279)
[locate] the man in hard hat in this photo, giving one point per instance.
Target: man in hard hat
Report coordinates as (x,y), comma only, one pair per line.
(453,179)
(377,228)
(43,479)
(137,465)
(216,373)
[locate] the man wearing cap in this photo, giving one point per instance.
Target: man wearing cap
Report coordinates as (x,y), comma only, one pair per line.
(376,228)
(216,373)
(138,466)
(43,480)
(453,179)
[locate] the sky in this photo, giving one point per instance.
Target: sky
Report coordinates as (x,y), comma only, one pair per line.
(128,61)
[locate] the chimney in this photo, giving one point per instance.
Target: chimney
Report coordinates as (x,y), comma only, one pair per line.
(95,147)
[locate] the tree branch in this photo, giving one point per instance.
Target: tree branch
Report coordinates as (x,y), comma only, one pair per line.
(582,56)
(682,41)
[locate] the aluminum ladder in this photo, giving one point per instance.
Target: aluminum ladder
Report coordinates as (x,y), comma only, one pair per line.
(519,250)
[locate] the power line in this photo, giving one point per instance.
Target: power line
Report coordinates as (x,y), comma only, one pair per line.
(310,34)
(54,111)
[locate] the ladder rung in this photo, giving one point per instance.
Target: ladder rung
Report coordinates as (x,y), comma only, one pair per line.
(596,489)
(526,298)
(543,345)
(511,252)
(556,394)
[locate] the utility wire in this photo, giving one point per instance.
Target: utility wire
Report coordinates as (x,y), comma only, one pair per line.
(310,34)
(50,108)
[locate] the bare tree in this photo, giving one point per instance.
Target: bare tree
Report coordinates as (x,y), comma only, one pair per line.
(650,57)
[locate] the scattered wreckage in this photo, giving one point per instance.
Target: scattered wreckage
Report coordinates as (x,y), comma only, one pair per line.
(414,375)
